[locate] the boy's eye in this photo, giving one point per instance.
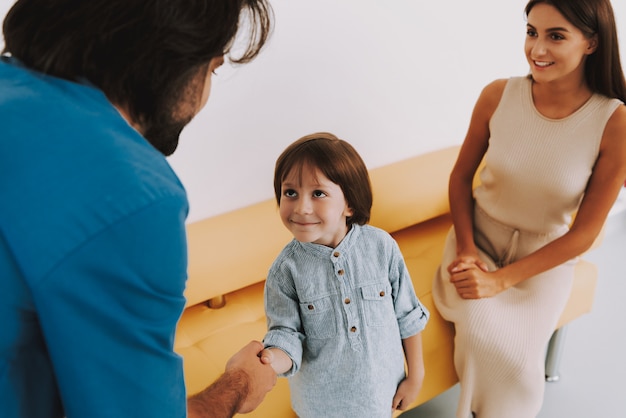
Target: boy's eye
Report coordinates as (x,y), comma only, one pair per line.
(290,193)
(319,193)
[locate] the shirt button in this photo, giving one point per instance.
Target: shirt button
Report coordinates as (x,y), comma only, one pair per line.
(336,254)
(311,307)
(353,329)
(382,293)
(340,272)
(347,301)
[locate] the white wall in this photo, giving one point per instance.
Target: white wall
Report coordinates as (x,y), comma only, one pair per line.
(395,78)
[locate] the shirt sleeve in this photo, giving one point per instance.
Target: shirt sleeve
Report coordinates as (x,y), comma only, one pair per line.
(109,311)
(412,316)
(282,309)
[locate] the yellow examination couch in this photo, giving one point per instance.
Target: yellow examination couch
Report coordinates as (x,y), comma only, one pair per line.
(230,255)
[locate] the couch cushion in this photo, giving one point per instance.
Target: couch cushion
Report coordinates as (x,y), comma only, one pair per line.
(422,247)
(207,338)
(233,250)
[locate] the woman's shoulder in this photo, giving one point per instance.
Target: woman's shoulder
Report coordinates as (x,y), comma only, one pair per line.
(493,91)
(620,113)
(615,130)
(500,83)
(489,99)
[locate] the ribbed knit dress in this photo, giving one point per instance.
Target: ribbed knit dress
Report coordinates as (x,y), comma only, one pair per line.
(535,175)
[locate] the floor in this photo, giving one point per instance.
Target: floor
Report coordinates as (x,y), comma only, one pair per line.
(593,366)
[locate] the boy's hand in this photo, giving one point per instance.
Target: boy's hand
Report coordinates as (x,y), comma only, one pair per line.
(407,392)
(277,358)
(266,356)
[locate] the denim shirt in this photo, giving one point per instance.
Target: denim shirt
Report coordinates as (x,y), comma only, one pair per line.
(341,314)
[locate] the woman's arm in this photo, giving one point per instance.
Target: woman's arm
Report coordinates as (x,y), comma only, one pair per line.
(410,387)
(604,184)
(462,177)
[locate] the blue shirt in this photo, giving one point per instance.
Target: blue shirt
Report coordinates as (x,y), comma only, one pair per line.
(341,315)
(92,257)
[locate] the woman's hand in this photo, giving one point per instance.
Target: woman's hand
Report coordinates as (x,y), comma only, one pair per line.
(473,280)
(467,259)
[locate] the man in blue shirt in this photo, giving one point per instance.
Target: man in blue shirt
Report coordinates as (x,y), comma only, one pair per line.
(93,257)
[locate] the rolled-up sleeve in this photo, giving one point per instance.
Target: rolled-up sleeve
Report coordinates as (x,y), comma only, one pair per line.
(412,316)
(283,317)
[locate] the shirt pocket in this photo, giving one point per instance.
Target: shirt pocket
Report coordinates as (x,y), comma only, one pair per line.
(378,304)
(318,318)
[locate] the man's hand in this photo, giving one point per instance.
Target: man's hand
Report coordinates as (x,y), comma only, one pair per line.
(261,377)
(240,389)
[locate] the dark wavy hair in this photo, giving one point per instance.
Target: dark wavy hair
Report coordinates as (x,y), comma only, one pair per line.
(338,161)
(603,68)
(140,53)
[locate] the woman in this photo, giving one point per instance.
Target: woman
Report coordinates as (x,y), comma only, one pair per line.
(553,143)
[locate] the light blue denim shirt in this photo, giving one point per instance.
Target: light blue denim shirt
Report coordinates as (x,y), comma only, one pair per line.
(341,315)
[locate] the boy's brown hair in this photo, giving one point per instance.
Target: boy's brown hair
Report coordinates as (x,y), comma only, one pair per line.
(338,161)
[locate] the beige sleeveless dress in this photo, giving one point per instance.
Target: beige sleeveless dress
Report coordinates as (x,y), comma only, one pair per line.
(534,178)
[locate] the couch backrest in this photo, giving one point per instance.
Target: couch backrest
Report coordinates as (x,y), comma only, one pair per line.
(411,191)
(233,250)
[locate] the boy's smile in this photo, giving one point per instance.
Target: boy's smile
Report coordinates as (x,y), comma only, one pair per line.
(314,208)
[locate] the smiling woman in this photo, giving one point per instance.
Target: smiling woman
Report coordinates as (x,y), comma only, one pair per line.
(557,50)
(552,144)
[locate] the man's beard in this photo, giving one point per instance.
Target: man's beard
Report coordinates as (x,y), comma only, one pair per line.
(174,113)
(164,133)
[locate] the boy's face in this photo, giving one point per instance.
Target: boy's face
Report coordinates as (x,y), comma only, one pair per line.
(314,208)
